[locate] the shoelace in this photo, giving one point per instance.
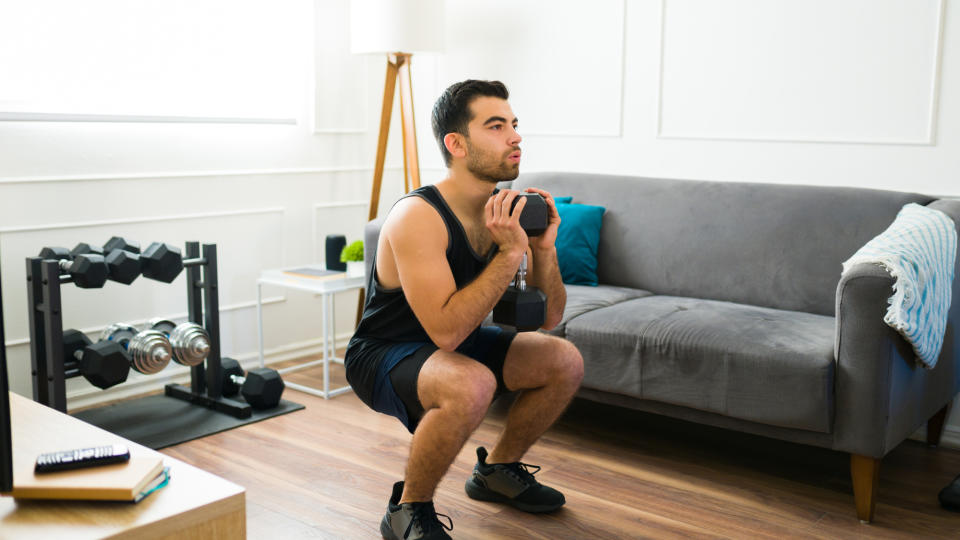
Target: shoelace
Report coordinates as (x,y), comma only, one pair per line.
(427,519)
(523,471)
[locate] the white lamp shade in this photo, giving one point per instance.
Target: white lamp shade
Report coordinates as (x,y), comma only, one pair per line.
(389,26)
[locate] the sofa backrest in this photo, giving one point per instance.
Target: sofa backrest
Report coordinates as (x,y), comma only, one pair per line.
(773,245)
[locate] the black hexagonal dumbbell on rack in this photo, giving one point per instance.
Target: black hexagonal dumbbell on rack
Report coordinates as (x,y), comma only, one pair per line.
(123,258)
(87,271)
(261,387)
(102,364)
(162,262)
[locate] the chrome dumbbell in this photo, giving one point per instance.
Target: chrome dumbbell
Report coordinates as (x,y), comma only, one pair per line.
(190,341)
(149,350)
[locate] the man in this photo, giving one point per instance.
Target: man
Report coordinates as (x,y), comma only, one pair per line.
(445,256)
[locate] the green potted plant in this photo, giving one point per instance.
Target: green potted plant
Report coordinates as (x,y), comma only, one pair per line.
(352,254)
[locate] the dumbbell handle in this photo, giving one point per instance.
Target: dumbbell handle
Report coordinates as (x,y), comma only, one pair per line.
(199,261)
(238,379)
(65,277)
(71,367)
(520,281)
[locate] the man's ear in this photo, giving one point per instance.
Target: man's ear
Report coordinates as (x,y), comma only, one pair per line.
(455,144)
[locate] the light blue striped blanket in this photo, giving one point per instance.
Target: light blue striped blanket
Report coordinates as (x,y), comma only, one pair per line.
(918,249)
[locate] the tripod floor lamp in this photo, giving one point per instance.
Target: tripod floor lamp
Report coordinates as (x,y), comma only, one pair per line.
(396,28)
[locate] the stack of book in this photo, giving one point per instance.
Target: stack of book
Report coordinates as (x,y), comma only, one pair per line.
(130,481)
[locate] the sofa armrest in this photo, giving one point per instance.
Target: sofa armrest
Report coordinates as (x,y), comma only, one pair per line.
(882,394)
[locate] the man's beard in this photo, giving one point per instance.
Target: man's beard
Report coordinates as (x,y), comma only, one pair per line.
(490,168)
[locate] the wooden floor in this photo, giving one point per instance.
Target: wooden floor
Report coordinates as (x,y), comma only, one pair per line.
(326,472)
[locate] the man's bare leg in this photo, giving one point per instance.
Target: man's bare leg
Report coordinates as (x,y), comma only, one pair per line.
(548,369)
(456,392)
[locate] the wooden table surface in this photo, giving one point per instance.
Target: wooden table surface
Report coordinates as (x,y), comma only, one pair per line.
(195,504)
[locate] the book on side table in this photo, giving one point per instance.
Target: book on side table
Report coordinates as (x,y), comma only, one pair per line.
(315,273)
(129,481)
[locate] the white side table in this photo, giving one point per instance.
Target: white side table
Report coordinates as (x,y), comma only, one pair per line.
(326,287)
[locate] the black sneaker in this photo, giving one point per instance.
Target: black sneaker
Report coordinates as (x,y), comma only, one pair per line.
(950,496)
(412,521)
(513,484)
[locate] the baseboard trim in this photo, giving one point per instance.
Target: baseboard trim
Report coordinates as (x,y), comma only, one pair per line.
(950,438)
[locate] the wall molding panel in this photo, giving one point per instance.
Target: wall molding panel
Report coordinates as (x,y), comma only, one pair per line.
(134,118)
(145,219)
(186,174)
(564,61)
(708,117)
(316,236)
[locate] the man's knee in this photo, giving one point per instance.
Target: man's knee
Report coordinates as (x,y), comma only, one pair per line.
(472,394)
(467,391)
(569,363)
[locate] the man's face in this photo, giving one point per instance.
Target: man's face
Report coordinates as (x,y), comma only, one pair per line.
(493,144)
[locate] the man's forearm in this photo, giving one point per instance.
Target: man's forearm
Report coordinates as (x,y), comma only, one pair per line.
(467,307)
(546,277)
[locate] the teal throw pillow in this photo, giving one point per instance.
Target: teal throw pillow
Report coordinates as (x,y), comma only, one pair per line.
(577,241)
(565,200)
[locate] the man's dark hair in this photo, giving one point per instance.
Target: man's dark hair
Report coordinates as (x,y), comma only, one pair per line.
(451,112)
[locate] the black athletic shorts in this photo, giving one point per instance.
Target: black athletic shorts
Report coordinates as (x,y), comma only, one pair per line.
(398,371)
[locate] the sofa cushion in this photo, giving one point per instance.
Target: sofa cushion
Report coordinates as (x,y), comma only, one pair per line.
(577,241)
(583,298)
(759,364)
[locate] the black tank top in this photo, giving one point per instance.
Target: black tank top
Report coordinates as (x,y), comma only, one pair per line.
(386,313)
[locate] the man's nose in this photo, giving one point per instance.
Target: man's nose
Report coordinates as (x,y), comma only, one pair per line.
(515,137)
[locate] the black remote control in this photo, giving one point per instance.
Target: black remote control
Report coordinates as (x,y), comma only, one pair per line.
(82,457)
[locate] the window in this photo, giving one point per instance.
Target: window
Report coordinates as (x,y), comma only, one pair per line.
(169,60)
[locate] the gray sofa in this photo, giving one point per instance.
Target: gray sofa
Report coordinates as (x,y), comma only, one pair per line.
(722,303)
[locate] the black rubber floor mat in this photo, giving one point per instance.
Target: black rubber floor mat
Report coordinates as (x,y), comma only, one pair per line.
(160,421)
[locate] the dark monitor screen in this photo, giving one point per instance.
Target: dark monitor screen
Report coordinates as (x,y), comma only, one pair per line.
(6,448)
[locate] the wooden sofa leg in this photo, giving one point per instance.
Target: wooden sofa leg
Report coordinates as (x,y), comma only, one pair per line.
(865,472)
(935,425)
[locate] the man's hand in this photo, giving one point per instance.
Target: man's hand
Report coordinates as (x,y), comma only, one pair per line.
(548,239)
(505,227)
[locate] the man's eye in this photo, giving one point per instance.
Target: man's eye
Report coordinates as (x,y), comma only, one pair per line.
(496,127)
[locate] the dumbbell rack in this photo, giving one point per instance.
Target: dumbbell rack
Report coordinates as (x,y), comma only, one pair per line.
(46,333)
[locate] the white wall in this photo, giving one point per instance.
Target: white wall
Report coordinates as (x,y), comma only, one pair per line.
(849,92)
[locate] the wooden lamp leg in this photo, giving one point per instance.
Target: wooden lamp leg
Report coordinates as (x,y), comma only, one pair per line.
(411,161)
(389,86)
(865,473)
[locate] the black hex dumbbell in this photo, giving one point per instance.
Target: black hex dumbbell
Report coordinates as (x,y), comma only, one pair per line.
(521,306)
(261,388)
(103,364)
(87,271)
(162,262)
(123,258)
(535,215)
